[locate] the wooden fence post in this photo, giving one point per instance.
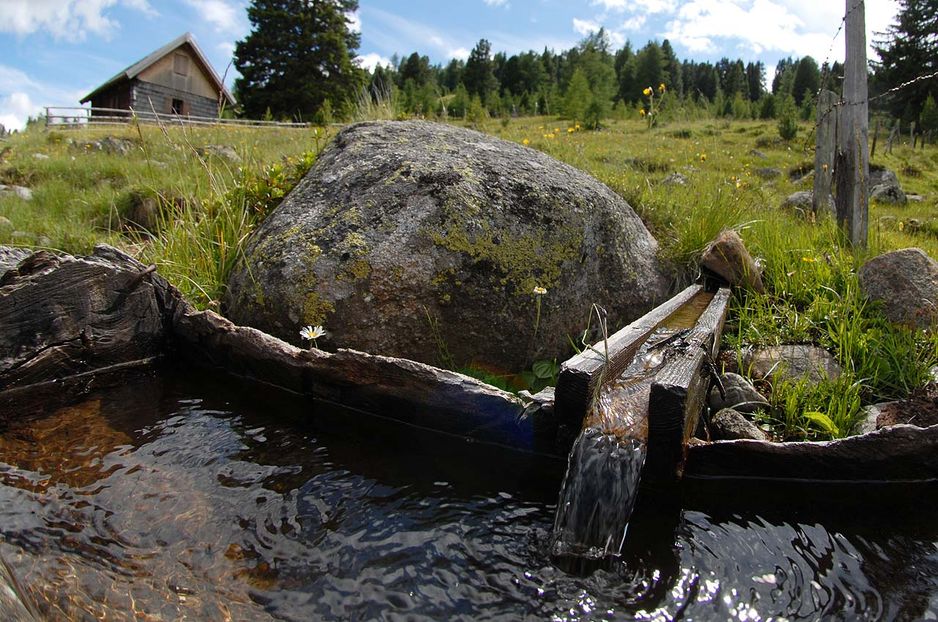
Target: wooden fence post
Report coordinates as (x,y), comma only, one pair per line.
(893,133)
(853,164)
(875,138)
(824,149)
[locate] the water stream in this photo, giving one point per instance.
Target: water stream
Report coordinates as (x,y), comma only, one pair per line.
(601,485)
(180,496)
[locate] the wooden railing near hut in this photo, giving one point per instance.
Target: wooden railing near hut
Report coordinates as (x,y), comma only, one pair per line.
(79,117)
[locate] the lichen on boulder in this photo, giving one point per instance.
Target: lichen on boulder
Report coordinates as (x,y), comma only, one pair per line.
(427,241)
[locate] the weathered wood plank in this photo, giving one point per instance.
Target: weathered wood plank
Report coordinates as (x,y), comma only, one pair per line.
(679,393)
(852,165)
(65,316)
(825,147)
(900,453)
(580,374)
(400,389)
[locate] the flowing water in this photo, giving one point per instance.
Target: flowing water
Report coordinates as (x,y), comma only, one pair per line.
(180,497)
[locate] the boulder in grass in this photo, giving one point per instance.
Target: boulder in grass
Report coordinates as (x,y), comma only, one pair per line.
(905,283)
(729,424)
(738,394)
(428,241)
(728,258)
(791,362)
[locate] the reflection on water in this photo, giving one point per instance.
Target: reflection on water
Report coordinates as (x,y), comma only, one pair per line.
(185,498)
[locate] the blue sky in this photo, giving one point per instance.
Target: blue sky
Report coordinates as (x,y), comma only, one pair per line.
(53,52)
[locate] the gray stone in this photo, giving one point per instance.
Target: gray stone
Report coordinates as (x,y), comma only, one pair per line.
(801,201)
(905,282)
(758,154)
(16,191)
(914,198)
(882,176)
(427,241)
(728,257)
(675,179)
(220,151)
(868,417)
(10,256)
(768,172)
(40,156)
(729,424)
(887,193)
(740,395)
(791,362)
(117,146)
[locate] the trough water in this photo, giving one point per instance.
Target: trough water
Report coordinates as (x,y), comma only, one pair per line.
(178,496)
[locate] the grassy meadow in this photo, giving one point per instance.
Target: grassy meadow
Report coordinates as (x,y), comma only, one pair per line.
(83,196)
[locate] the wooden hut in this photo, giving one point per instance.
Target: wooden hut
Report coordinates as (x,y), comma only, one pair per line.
(175,79)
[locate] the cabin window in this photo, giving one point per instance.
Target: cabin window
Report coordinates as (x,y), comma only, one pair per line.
(181,64)
(178,105)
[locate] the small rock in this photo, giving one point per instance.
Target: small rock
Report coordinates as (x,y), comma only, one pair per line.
(792,362)
(880,175)
(10,256)
(675,179)
(802,200)
(914,198)
(889,194)
(758,154)
(727,257)
(18,191)
(740,395)
(40,156)
(906,284)
(116,146)
(729,424)
(768,172)
(220,151)
(868,417)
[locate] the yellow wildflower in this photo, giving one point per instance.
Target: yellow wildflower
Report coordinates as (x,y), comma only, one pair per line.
(570,130)
(808,259)
(703,157)
(642,112)
(525,142)
(539,291)
(901,225)
(661,88)
(648,91)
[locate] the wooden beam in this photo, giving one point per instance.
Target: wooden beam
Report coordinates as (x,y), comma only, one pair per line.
(581,374)
(853,165)
(825,147)
(679,393)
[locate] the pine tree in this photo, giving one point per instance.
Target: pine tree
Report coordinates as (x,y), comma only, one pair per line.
(297,56)
(479,74)
(578,97)
(909,50)
(928,120)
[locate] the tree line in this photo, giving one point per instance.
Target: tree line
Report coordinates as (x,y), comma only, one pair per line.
(298,63)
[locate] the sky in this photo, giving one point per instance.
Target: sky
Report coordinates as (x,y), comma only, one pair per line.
(54,52)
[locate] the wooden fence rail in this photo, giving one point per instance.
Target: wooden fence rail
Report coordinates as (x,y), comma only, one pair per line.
(79,117)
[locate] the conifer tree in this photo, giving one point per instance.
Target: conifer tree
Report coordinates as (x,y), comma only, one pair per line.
(298,56)
(909,50)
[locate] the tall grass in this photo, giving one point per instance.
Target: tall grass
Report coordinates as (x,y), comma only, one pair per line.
(209,206)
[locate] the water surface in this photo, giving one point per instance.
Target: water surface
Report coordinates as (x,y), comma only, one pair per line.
(182,496)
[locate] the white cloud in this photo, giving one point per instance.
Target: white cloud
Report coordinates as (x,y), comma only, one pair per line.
(642,7)
(372,60)
(224,16)
(585,26)
(70,20)
(497,3)
(22,97)
(796,27)
(634,23)
(458,53)
(355,21)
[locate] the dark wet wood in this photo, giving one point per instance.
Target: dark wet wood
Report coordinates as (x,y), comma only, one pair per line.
(62,316)
(900,453)
(679,392)
(400,389)
(580,375)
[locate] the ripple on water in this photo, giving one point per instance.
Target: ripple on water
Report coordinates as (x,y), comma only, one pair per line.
(184,497)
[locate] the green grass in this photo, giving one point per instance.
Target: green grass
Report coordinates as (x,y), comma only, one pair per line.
(82,198)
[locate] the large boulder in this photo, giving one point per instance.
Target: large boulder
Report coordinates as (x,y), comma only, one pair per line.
(427,241)
(905,282)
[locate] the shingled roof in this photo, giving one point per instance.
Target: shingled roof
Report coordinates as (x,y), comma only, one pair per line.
(134,70)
